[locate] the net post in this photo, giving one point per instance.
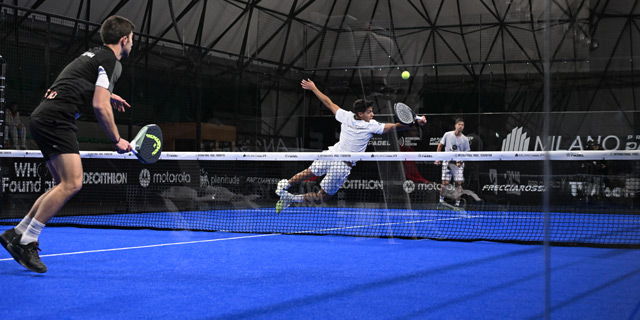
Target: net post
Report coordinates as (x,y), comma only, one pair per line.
(547,162)
(3,86)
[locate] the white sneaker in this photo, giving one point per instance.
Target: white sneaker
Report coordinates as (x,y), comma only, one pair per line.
(284,202)
(282,186)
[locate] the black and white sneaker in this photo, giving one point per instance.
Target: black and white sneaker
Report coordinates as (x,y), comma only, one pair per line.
(7,237)
(27,255)
(10,236)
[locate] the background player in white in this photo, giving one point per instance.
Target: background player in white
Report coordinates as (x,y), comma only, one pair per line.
(14,129)
(356,130)
(453,141)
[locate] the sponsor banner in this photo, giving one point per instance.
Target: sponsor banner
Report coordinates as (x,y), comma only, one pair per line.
(106,155)
(378,141)
(104,178)
(512,188)
(148,177)
(520,139)
(215,156)
(24,176)
(623,155)
(382,156)
(363,184)
(256,155)
(409,186)
(173,156)
(522,155)
(351,157)
(30,154)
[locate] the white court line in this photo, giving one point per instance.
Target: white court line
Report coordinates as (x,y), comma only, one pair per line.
(152,246)
(236,238)
(382,224)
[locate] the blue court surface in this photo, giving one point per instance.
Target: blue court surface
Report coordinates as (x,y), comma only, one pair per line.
(145,274)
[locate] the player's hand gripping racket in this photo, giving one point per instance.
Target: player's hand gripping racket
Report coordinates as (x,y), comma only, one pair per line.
(404,114)
(147,145)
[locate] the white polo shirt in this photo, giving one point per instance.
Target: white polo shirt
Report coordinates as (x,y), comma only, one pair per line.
(354,134)
(453,143)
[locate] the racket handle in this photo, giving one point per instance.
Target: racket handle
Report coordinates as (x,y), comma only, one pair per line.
(134,151)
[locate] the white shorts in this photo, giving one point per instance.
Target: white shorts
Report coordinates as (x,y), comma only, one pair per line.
(453,170)
(335,174)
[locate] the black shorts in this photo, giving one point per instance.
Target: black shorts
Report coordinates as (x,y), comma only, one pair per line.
(54,136)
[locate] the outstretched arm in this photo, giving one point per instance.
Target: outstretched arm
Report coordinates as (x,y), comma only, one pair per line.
(309,85)
(401,127)
(394,126)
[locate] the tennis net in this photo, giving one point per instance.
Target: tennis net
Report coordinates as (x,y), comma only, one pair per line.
(593,194)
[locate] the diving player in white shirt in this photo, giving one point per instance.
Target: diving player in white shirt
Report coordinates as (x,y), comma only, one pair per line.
(356,130)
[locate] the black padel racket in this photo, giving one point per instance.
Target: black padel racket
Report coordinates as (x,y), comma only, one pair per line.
(147,145)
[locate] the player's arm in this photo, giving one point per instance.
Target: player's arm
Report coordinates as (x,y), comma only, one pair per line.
(394,126)
(102,109)
(402,127)
(309,85)
(440,148)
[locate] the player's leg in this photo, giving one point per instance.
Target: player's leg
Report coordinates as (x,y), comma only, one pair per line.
(336,175)
(284,184)
(68,168)
(458,178)
(23,138)
(316,197)
(458,193)
(36,205)
(335,172)
(317,168)
(446,176)
(14,137)
(301,176)
(51,141)
(13,235)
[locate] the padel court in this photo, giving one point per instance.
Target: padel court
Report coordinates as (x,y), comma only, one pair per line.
(320,159)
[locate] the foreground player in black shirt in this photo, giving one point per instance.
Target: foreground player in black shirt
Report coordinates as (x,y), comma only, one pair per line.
(85,84)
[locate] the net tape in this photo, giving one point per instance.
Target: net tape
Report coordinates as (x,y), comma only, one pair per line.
(363,156)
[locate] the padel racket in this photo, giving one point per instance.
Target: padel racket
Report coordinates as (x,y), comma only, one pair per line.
(404,114)
(147,145)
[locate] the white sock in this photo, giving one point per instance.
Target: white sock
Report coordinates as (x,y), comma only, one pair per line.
(22,226)
(283,185)
(457,203)
(441,199)
(33,231)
